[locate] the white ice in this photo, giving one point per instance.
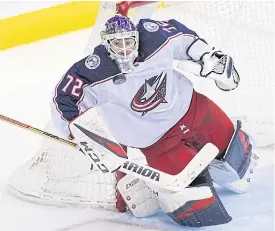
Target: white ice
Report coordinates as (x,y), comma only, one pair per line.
(28,75)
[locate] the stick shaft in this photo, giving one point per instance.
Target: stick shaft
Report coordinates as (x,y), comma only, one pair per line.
(37,131)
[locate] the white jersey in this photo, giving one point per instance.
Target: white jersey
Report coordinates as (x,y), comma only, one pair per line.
(153,99)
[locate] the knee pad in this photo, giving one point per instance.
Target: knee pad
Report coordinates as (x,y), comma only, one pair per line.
(234,170)
(197,206)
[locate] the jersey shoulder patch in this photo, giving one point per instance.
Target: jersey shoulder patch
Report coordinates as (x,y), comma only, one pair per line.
(97,66)
(153,34)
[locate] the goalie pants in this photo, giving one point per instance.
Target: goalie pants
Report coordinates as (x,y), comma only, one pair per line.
(204,122)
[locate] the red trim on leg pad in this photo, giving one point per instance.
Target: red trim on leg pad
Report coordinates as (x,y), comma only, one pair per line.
(244,141)
(196,207)
(201,204)
(204,212)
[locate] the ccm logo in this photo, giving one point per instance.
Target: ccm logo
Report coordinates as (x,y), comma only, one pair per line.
(141,170)
(154,192)
(94,157)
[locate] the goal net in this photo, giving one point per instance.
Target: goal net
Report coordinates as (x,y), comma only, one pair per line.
(59,175)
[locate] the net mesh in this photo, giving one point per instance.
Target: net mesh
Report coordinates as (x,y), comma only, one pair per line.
(60,175)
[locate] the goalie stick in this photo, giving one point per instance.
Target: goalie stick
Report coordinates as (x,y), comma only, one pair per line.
(163,180)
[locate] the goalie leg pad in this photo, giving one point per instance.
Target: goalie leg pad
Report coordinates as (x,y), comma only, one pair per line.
(139,198)
(198,206)
(234,170)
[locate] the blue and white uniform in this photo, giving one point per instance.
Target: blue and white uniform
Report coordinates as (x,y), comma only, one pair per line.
(151,101)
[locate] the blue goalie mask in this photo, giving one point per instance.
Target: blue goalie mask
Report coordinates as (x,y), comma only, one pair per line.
(120,37)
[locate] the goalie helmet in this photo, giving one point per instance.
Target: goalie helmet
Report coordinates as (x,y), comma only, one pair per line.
(120,37)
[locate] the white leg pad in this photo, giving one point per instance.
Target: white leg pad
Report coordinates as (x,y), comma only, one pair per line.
(234,171)
(139,198)
(224,176)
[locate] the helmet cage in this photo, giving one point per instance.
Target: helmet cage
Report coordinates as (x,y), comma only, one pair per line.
(109,39)
(121,28)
